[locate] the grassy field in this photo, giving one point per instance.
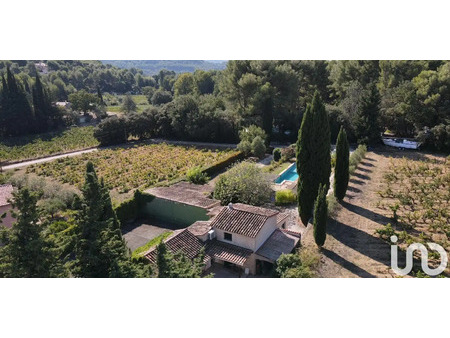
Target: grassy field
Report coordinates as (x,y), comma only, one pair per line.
(137,166)
(41,145)
(114,102)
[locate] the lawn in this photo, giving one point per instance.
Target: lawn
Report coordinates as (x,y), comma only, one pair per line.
(114,102)
(155,241)
(30,147)
(137,166)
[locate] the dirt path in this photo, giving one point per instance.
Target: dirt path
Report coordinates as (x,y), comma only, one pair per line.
(352,249)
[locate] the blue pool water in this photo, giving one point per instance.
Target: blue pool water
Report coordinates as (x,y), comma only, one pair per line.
(290,174)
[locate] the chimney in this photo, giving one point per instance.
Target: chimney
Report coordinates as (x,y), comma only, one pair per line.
(230,206)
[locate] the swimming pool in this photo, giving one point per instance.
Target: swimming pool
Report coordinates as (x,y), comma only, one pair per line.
(290,174)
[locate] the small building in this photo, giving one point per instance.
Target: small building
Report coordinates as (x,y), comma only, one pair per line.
(5,204)
(41,67)
(63,104)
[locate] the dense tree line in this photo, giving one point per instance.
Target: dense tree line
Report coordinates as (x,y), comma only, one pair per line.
(25,108)
(406,98)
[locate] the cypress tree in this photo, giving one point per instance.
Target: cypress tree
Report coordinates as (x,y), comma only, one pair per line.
(26,251)
(313,156)
(341,170)
(100,249)
(320,215)
(16,110)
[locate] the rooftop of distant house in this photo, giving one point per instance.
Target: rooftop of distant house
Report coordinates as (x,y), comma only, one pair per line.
(5,194)
(242,219)
(186,193)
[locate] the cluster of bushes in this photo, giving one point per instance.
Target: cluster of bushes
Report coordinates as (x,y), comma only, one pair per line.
(243,183)
(253,141)
(197,176)
(356,157)
(284,154)
(297,265)
(285,197)
(130,209)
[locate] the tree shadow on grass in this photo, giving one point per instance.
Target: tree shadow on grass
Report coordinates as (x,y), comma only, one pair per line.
(353,189)
(366,164)
(369,214)
(355,181)
(361,176)
(364,170)
(346,264)
(364,243)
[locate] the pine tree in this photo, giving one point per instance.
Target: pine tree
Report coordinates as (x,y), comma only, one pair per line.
(320,216)
(26,251)
(100,249)
(367,123)
(313,156)
(341,170)
(41,107)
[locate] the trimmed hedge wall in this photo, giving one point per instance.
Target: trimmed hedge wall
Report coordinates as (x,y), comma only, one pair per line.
(223,164)
(130,209)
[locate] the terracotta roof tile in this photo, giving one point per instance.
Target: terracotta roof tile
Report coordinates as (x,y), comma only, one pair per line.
(200,228)
(5,193)
(242,219)
(278,243)
(227,252)
(181,241)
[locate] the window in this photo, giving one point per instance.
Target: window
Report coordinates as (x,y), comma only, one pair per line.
(227,236)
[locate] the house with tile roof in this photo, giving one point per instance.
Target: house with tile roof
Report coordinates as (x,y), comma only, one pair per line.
(5,204)
(245,238)
(249,238)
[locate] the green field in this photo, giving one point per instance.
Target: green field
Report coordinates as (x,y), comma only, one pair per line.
(138,166)
(41,145)
(114,102)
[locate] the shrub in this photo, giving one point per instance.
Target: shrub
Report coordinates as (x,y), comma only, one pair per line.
(258,147)
(288,152)
(250,133)
(245,147)
(161,97)
(112,130)
(297,265)
(244,183)
(277,154)
(283,197)
(333,205)
(197,176)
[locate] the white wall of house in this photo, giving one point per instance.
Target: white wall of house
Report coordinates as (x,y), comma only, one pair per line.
(269,227)
(239,240)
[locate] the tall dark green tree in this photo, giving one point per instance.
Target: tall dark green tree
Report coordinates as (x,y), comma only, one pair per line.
(26,252)
(45,114)
(100,249)
(16,114)
(313,156)
(341,170)
(367,124)
(320,216)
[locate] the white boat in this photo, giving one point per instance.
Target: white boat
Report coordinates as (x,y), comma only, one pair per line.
(401,143)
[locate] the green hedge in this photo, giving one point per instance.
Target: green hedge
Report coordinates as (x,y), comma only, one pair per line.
(215,168)
(285,197)
(130,209)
